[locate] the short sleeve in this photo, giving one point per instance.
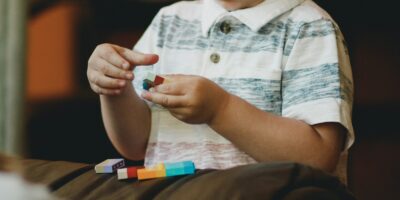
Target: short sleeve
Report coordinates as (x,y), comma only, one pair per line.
(317,83)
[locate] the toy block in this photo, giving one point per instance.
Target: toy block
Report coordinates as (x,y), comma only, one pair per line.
(188,167)
(109,165)
(128,173)
(174,169)
(149,173)
(158,80)
(152,80)
(147,85)
(151,83)
(179,168)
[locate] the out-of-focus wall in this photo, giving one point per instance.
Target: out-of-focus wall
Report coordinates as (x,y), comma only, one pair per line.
(51,65)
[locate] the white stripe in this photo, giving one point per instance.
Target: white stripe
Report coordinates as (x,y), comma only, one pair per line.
(231,65)
(313,52)
(170,129)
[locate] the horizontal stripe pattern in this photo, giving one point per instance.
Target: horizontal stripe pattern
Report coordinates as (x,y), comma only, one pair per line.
(325,81)
(264,94)
(301,30)
(319,28)
(177,33)
(203,154)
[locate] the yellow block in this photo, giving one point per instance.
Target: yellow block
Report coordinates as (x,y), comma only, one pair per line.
(148,173)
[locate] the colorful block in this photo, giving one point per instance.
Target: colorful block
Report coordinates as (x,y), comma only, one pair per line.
(109,165)
(158,80)
(188,167)
(128,173)
(152,80)
(149,84)
(146,86)
(179,168)
(149,173)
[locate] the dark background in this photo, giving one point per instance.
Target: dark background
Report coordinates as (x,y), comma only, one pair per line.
(64,121)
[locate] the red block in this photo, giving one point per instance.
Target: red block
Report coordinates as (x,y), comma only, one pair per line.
(128,173)
(158,80)
(132,171)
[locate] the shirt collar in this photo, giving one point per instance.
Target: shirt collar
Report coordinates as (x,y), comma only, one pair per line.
(254,17)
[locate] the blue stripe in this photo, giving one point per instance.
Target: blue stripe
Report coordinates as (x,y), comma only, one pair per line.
(320,28)
(264,94)
(299,30)
(325,81)
(177,33)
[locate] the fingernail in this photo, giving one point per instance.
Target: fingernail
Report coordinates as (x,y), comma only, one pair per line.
(128,75)
(122,83)
(145,94)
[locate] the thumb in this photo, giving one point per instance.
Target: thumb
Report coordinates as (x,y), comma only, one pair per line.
(138,58)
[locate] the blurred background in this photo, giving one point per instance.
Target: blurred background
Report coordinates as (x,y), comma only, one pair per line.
(60,115)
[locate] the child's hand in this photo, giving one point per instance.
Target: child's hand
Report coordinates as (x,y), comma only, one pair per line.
(110,68)
(192,99)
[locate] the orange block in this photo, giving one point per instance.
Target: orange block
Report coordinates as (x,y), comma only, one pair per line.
(149,173)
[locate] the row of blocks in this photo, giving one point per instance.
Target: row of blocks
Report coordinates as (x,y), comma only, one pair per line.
(166,170)
(152,80)
(141,173)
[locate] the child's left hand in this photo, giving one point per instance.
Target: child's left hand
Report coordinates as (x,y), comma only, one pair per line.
(192,99)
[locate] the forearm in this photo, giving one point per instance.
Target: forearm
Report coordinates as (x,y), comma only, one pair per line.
(267,137)
(127,121)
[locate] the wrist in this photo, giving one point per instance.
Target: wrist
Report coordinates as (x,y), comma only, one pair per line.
(221,111)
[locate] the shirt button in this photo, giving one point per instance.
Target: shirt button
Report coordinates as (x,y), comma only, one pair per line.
(214,58)
(225,27)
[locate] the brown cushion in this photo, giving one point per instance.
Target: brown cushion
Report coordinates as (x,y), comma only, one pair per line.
(257,181)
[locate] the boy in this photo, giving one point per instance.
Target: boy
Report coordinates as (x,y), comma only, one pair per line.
(249,81)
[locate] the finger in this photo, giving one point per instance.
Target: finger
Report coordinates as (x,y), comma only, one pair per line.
(137,58)
(177,77)
(105,91)
(110,70)
(106,82)
(111,55)
(170,88)
(167,101)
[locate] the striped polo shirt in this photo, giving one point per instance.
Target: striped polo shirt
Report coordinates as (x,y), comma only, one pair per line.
(286,57)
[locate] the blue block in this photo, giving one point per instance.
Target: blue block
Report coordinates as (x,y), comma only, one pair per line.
(188,167)
(146,86)
(179,168)
(174,169)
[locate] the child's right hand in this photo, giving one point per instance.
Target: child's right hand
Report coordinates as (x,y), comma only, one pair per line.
(110,68)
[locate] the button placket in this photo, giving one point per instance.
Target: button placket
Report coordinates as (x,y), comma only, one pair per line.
(214,57)
(225,27)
